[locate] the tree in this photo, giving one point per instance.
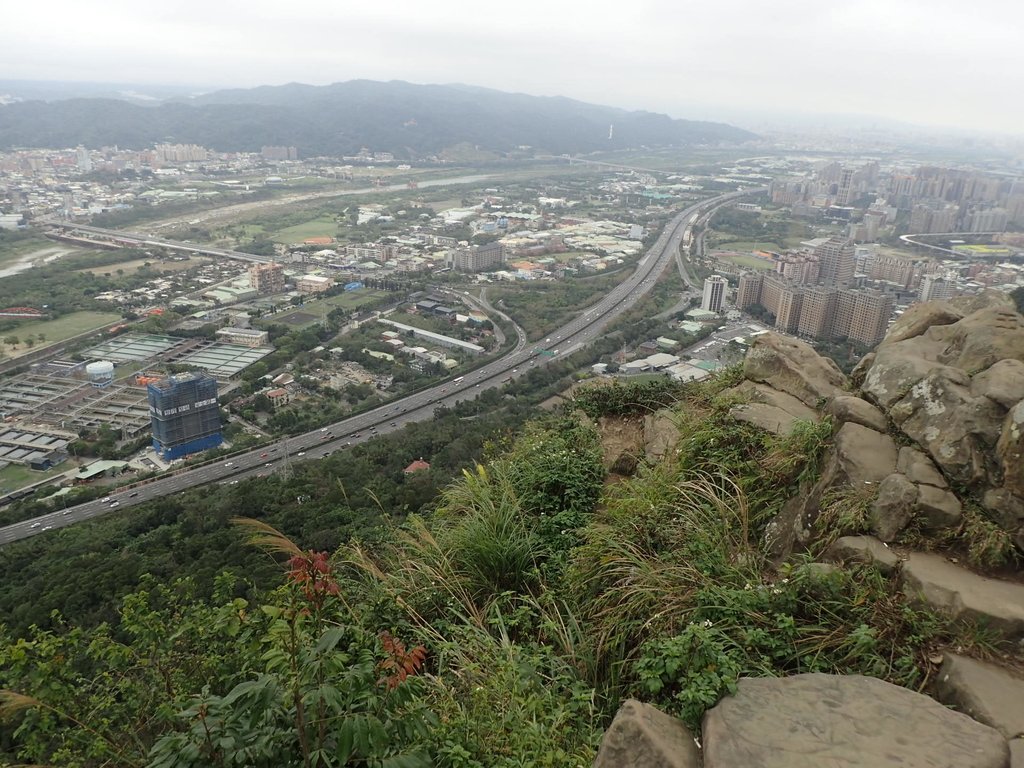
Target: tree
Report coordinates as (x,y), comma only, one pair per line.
(12,340)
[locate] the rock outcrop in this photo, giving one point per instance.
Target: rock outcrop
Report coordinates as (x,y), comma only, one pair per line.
(950,377)
(933,439)
(791,366)
(814,720)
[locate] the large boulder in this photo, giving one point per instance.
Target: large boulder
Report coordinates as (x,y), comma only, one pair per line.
(998,605)
(661,433)
(894,506)
(987,299)
(895,370)
(860,456)
(981,339)
(989,694)
(957,429)
(815,720)
(641,736)
(792,366)
(769,409)
(937,508)
(1002,382)
(918,319)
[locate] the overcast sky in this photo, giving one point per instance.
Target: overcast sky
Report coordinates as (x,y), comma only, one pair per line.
(932,62)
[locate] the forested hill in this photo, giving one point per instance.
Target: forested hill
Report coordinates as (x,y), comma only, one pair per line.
(406,119)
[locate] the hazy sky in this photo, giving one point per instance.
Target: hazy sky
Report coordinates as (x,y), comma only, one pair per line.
(925,61)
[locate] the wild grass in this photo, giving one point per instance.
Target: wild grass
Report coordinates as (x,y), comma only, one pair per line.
(844,511)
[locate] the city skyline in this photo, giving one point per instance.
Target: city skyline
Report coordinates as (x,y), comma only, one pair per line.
(863,58)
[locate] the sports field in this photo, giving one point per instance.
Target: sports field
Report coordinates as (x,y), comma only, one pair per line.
(748,262)
(312,311)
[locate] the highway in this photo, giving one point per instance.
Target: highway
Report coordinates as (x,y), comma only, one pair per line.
(586,327)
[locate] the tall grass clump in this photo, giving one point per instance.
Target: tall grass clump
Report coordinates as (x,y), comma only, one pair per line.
(661,539)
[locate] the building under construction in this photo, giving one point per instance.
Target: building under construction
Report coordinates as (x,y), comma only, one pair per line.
(185,415)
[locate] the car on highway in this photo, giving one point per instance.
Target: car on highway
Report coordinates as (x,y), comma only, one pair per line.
(301,453)
(323,429)
(269,464)
(394,424)
(35,525)
(47,527)
(115,504)
(133,495)
(263,455)
(104,500)
(229,464)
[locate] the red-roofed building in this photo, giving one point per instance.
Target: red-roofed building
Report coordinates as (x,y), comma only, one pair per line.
(417,466)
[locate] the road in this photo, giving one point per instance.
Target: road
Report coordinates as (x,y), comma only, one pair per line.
(419,406)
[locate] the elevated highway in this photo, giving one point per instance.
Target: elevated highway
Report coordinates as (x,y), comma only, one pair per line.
(584,329)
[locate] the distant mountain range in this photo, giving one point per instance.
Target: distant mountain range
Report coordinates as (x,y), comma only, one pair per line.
(406,119)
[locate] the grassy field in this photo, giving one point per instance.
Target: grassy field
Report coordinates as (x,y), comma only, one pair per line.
(750,262)
(131,267)
(322,226)
(16,476)
(56,330)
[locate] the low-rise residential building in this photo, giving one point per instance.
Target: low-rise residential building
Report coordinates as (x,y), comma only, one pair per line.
(313,284)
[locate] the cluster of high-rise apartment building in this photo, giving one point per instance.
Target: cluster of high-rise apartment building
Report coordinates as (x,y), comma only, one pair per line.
(812,295)
(938,200)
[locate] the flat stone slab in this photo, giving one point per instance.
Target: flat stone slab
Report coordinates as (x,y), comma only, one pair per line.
(996,604)
(836,721)
(770,409)
(642,736)
(864,549)
(990,694)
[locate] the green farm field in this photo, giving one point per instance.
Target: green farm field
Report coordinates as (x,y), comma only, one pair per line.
(56,330)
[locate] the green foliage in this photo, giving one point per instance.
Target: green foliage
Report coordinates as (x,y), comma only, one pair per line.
(82,571)
(536,596)
(540,308)
(838,622)
(504,704)
(693,670)
(988,545)
(627,397)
